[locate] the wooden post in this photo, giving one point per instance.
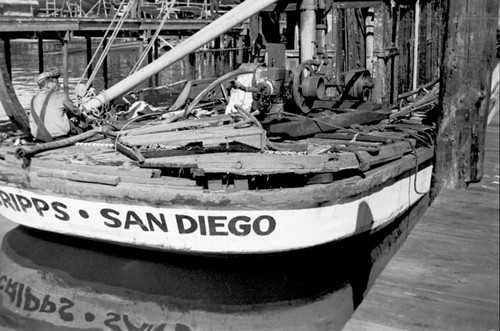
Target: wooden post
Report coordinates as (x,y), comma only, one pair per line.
(40,54)
(64,46)
(105,64)
(200,60)
(150,52)
(415,45)
(465,92)
(240,45)
(192,58)
(155,56)
(395,63)
(291,22)
(8,62)
(254,27)
(217,56)
(88,40)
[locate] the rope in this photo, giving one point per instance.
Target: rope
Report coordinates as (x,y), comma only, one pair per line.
(100,44)
(111,40)
(108,46)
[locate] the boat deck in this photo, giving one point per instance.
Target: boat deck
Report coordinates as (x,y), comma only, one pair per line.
(446,275)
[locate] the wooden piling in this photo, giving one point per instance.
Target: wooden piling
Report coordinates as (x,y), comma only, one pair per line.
(465,92)
(105,64)
(155,56)
(64,47)
(40,54)
(88,40)
(217,56)
(6,50)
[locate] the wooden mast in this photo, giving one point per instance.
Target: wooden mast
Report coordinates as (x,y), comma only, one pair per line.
(203,36)
(466,88)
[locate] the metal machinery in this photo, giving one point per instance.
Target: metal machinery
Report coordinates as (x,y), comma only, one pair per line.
(285,101)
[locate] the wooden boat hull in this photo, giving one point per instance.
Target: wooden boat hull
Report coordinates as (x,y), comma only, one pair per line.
(221,223)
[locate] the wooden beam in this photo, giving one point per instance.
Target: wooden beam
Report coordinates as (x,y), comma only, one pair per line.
(250,164)
(211,136)
(79,176)
(465,91)
(165,127)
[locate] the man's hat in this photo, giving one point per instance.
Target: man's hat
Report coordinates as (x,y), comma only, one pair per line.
(55,73)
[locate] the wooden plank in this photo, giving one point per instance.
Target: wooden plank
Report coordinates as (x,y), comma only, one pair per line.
(94,169)
(79,176)
(251,136)
(161,181)
(251,163)
(356,4)
(387,153)
(128,175)
(165,127)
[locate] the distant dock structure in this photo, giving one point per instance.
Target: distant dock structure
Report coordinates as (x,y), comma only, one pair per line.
(142,20)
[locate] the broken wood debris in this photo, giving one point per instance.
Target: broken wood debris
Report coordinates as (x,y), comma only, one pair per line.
(209,136)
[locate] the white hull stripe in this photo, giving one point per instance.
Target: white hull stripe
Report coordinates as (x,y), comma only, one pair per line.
(212,231)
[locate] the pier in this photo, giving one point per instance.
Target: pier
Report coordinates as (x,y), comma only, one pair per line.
(446,275)
(147,22)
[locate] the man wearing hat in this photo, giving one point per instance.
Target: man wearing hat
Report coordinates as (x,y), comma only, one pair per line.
(49,109)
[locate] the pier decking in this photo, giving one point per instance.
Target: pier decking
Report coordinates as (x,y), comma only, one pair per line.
(446,275)
(25,27)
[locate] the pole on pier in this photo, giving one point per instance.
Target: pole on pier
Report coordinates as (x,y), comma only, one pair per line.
(155,57)
(8,62)
(88,40)
(40,54)
(217,56)
(307,29)
(465,92)
(105,64)
(65,45)
(382,61)
(369,26)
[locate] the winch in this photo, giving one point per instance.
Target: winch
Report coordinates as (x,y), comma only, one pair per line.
(309,87)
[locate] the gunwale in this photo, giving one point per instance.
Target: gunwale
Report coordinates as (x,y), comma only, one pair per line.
(170,195)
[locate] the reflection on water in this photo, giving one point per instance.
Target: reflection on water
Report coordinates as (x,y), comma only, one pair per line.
(120,62)
(54,282)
